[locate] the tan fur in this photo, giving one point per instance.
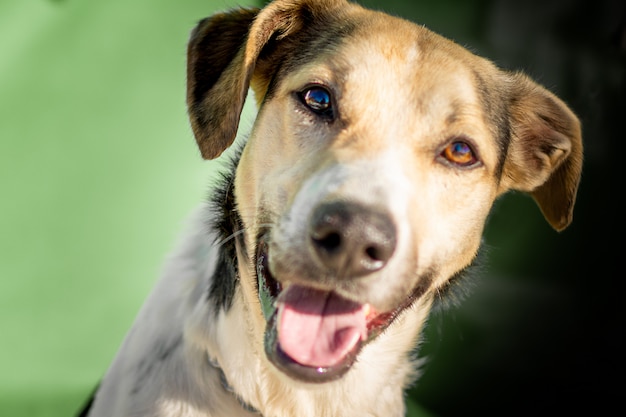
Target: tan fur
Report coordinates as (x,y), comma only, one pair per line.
(429,96)
(401,95)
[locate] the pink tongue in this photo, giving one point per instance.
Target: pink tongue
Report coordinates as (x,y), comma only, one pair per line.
(318,328)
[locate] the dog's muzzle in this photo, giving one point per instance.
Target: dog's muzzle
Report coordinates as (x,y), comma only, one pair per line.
(313,333)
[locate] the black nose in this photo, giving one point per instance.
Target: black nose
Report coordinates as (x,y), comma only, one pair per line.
(351,240)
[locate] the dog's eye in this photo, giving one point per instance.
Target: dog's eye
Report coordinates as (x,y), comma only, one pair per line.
(459,153)
(318,100)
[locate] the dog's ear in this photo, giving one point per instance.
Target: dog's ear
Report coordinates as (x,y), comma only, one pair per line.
(546,151)
(222,56)
(217,78)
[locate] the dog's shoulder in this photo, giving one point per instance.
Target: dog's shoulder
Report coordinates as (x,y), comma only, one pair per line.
(153,357)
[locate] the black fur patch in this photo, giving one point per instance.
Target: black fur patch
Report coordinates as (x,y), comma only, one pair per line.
(226,221)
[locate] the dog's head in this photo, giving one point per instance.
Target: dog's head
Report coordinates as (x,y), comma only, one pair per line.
(378,151)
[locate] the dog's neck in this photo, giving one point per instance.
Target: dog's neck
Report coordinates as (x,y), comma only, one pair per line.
(229,389)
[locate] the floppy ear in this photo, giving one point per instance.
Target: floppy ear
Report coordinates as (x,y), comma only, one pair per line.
(222,55)
(545,153)
(217,78)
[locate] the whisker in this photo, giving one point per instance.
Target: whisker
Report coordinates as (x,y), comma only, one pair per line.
(239,233)
(230,237)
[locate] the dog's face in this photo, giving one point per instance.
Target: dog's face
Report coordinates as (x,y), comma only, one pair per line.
(378,151)
(364,189)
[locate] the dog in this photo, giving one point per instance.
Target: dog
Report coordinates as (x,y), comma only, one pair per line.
(357,200)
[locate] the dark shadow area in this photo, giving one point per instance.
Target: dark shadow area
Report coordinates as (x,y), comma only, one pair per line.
(544,329)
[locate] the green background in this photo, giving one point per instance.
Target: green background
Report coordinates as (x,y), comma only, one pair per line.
(98,170)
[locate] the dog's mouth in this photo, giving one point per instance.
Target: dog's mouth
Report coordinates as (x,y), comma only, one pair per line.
(315,335)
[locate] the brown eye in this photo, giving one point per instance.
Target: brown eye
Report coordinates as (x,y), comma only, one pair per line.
(459,153)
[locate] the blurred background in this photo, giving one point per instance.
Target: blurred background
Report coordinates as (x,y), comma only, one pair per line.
(99,169)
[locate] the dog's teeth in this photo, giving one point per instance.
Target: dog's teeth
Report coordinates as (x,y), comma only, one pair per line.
(367,309)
